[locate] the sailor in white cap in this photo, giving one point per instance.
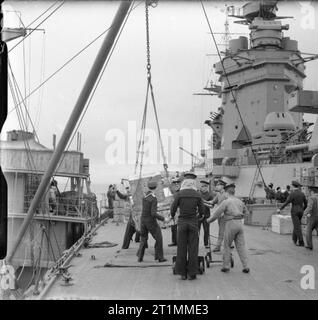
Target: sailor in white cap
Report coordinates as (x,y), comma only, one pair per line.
(234,210)
(189,175)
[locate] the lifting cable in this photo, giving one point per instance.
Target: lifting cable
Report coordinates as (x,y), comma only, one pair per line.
(231,90)
(149,87)
(28,35)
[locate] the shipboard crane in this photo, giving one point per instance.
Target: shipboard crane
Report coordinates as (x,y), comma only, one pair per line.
(192,156)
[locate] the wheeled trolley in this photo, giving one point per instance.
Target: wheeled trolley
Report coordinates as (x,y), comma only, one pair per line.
(200,262)
(209,260)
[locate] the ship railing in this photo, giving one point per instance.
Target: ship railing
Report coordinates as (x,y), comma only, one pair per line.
(65,206)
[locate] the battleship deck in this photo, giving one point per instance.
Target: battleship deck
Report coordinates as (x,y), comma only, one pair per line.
(274,260)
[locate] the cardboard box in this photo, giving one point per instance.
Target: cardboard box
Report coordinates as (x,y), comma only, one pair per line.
(282,224)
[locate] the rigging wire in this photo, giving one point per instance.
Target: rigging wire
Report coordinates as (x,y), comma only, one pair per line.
(29,74)
(20,94)
(21,123)
(54,235)
(43,13)
(64,65)
(42,72)
(25,252)
(231,90)
(24,71)
(36,266)
(28,35)
(50,243)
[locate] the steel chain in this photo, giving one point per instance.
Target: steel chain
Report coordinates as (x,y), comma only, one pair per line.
(147,40)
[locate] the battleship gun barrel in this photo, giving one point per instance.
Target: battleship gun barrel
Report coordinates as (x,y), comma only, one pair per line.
(93,75)
(298,146)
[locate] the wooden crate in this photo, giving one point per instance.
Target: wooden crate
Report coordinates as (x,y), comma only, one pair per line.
(261,214)
(138,189)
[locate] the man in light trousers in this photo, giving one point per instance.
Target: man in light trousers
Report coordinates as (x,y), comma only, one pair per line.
(217,200)
(234,210)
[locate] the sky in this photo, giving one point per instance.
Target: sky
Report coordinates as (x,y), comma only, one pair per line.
(179,44)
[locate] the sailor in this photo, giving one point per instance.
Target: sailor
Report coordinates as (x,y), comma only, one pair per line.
(286,193)
(270,192)
(148,223)
(176,185)
(130,228)
(311,213)
(279,195)
(234,210)
(206,196)
(299,203)
(189,201)
(217,200)
(53,194)
(111,193)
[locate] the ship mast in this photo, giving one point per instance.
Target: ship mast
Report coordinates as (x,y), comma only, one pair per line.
(75,115)
(3,116)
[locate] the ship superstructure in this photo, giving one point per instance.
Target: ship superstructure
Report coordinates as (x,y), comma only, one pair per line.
(257,126)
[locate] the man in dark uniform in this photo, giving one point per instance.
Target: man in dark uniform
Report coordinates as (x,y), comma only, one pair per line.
(176,184)
(286,193)
(311,213)
(279,195)
(148,223)
(207,196)
(189,201)
(299,204)
(270,192)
